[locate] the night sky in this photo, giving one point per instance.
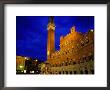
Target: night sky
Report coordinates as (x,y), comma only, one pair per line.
(31,33)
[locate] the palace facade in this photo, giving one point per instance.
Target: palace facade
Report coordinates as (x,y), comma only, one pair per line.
(76,54)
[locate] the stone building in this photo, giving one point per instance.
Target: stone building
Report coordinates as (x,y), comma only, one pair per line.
(20,63)
(27,65)
(76,54)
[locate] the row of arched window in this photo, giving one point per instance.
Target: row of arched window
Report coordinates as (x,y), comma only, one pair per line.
(74,72)
(71,62)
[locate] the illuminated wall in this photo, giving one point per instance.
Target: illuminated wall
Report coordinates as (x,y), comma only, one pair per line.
(76,54)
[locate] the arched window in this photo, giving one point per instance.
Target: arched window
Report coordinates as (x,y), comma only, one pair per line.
(75,72)
(43,72)
(70,72)
(69,63)
(66,64)
(59,72)
(50,72)
(66,52)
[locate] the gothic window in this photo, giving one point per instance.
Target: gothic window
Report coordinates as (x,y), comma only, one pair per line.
(70,72)
(43,71)
(69,63)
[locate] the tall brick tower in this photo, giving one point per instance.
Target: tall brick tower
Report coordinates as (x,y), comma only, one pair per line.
(51,37)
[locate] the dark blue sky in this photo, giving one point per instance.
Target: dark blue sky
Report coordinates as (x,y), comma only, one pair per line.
(31,32)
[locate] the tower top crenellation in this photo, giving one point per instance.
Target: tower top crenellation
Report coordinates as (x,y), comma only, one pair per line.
(51,25)
(51,19)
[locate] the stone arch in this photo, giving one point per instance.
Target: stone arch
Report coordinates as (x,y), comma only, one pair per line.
(86,71)
(75,72)
(70,72)
(66,72)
